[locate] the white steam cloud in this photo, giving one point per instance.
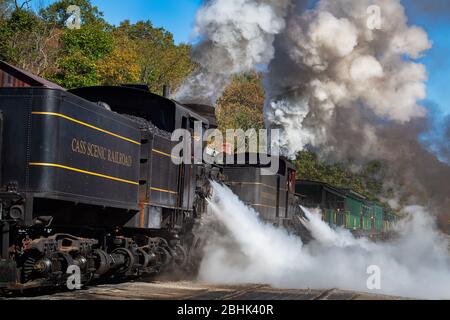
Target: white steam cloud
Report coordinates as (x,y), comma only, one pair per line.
(236,36)
(320,60)
(331,55)
(417,264)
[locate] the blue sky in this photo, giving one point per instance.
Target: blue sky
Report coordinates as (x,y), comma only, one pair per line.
(437,59)
(178,16)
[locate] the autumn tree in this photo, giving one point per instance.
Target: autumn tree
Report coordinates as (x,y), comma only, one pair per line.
(95,54)
(121,65)
(241,108)
(242,103)
(161,61)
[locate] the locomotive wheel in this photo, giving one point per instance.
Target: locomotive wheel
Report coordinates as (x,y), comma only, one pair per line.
(180,256)
(60,262)
(102,262)
(163,258)
(152,258)
(144,258)
(129,260)
(36,267)
(29,270)
(195,255)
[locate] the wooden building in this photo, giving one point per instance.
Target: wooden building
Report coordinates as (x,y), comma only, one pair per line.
(11,76)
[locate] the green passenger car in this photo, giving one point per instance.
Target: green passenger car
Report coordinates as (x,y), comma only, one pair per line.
(377,217)
(345,208)
(356,210)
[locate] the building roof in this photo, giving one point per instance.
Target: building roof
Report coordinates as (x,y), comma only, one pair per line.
(27,77)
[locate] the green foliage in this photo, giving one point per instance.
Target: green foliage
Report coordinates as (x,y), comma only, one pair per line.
(161,60)
(82,49)
(5,11)
(368,181)
(56,13)
(76,70)
(26,41)
(91,40)
(97,53)
(22,20)
(19,22)
(144,30)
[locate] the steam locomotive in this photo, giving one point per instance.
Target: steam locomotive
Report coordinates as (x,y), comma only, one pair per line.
(87,180)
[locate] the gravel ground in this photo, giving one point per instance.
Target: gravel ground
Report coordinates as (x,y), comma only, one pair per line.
(201,291)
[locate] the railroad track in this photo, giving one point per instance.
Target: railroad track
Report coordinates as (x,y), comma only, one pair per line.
(201,291)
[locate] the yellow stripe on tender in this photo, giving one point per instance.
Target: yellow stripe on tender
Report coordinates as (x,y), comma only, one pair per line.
(164,154)
(85,124)
(262,206)
(158,204)
(254,184)
(163,190)
(53,165)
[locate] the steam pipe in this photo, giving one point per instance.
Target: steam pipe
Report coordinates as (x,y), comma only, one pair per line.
(166,91)
(4,227)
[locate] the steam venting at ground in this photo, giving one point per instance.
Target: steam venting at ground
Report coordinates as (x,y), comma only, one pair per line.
(339,81)
(250,251)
